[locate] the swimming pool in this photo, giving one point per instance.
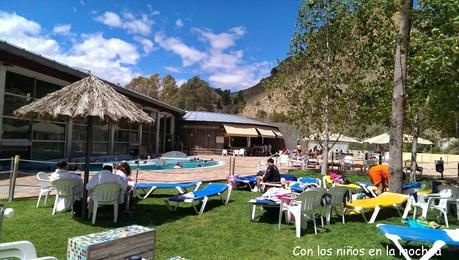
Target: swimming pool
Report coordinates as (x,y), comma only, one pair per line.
(172,163)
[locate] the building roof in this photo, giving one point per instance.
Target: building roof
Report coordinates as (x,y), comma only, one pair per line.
(21,52)
(200,116)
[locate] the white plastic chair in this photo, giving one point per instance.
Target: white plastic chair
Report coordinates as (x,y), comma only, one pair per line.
(283,161)
(338,197)
(23,250)
(307,204)
(235,152)
(454,197)
(64,189)
(104,194)
(45,186)
(224,152)
(241,152)
(437,201)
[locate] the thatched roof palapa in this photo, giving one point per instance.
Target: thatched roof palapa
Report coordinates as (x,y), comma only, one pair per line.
(89,97)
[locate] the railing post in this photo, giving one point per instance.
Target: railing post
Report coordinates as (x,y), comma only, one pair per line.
(230,164)
(13,177)
(234,164)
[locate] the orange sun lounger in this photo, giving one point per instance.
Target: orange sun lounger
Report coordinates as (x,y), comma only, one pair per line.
(385,200)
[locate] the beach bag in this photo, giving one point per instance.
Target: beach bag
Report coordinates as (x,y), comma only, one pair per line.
(230,180)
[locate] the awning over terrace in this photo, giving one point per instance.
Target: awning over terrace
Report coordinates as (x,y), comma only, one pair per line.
(266,132)
(240,130)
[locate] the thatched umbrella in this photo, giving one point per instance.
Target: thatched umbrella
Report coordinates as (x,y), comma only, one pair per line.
(84,101)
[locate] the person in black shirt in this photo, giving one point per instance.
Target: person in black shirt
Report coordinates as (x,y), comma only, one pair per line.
(271,174)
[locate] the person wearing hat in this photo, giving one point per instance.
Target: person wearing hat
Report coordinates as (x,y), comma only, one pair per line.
(379,175)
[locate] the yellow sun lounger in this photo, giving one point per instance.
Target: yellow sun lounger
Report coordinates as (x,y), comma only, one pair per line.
(327,181)
(387,199)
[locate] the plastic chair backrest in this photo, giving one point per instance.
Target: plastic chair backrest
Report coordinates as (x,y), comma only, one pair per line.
(241,151)
(64,187)
(283,158)
(454,191)
(106,192)
(18,249)
(310,199)
(338,194)
(445,193)
(43,177)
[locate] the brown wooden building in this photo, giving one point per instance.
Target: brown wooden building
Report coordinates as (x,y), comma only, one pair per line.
(26,76)
(209,130)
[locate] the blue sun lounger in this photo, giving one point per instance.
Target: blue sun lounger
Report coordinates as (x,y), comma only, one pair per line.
(180,187)
(212,189)
(251,180)
(438,237)
(304,181)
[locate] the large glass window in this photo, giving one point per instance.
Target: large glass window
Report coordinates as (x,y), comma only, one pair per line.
(18,84)
(10,151)
(43,88)
(47,150)
(16,129)
(101,137)
(78,149)
(13,102)
(120,148)
(79,133)
(46,140)
(48,131)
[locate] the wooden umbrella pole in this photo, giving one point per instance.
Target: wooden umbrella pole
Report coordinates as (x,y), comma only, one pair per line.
(89,133)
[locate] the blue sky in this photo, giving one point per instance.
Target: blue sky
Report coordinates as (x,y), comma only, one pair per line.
(231,44)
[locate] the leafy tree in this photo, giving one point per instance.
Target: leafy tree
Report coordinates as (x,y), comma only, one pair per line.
(261,114)
(333,65)
(398,97)
(146,86)
(278,117)
(197,95)
(169,89)
(433,89)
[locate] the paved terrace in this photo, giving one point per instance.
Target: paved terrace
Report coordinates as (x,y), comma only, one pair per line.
(27,184)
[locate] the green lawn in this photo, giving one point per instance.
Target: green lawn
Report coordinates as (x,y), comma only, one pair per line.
(222,232)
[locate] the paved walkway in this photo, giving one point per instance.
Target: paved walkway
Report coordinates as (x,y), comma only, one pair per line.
(27,185)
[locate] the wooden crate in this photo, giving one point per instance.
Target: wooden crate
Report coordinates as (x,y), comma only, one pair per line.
(120,243)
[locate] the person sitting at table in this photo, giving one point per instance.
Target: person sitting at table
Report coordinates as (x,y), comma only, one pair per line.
(62,173)
(271,174)
(124,171)
(378,175)
(106,176)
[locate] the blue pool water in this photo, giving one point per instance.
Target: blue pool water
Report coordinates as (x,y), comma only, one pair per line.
(169,164)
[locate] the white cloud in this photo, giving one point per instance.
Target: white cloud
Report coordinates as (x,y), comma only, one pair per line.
(223,40)
(63,29)
(141,25)
(241,77)
(217,60)
(110,19)
(152,11)
(147,45)
(179,23)
(26,34)
(225,66)
(180,82)
(189,55)
(129,22)
(173,69)
(112,59)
